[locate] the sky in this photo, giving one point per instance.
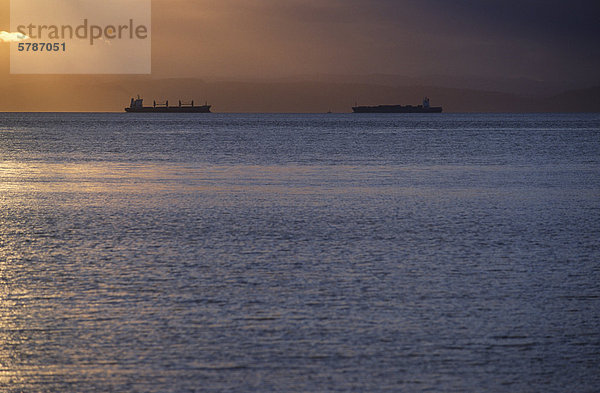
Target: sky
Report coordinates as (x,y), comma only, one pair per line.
(264,38)
(548,41)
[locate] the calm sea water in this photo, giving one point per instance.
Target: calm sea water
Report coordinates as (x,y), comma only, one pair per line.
(299,253)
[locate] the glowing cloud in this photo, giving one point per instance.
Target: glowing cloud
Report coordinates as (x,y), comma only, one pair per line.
(12,37)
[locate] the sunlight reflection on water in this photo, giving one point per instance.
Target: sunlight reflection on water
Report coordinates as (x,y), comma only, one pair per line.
(292,271)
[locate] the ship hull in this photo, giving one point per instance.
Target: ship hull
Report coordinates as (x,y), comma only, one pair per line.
(397,109)
(170,109)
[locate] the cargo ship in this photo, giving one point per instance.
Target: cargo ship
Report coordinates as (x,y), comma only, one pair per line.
(425,108)
(137,106)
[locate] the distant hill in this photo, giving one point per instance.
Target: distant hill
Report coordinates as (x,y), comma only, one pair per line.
(584,100)
(514,85)
(112,93)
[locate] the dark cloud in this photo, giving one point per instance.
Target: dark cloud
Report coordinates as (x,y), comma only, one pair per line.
(540,20)
(551,18)
(538,39)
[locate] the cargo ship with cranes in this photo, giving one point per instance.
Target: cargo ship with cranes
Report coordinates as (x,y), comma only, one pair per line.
(137,106)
